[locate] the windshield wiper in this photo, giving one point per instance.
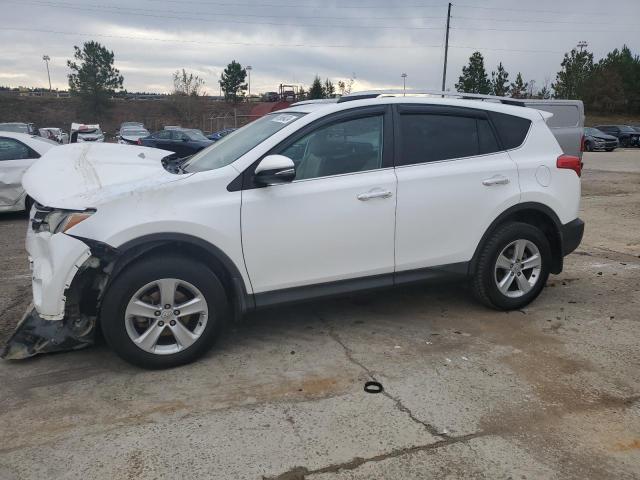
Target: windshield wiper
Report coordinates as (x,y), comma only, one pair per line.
(174,165)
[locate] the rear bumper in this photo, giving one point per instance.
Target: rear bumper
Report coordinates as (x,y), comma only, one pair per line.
(571,235)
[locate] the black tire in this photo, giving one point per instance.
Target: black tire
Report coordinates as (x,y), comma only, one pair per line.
(483,282)
(137,275)
(588,146)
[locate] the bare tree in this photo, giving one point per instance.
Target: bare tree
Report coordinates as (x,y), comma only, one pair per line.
(187,87)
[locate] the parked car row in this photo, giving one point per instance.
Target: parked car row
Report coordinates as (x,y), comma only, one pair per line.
(627,135)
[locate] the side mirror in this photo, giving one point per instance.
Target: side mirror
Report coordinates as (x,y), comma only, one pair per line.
(185,139)
(275,170)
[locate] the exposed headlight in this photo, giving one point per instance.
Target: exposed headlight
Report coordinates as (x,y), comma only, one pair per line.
(57,220)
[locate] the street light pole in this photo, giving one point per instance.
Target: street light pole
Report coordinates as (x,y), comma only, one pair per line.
(404,84)
(249,68)
(46,59)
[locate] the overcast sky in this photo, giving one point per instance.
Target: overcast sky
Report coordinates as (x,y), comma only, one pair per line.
(290,41)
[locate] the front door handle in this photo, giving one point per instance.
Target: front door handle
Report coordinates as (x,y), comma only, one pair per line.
(376,193)
(495,180)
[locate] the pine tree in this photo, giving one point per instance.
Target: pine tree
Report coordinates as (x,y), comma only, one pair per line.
(93,76)
(316,91)
(474,78)
(500,82)
(571,80)
(519,87)
(232,81)
(329,89)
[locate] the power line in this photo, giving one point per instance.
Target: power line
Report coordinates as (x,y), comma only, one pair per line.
(251,15)
(540,31)
(520,10)
(198,42)
(543,21)
(199,19)
(283,45)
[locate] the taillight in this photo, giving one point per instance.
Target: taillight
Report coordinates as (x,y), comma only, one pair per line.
(571,162)
(139,142)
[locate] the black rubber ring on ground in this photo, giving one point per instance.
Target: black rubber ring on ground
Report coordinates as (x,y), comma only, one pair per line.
(373,387)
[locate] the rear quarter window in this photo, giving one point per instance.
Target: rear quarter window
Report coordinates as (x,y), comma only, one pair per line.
(512,130)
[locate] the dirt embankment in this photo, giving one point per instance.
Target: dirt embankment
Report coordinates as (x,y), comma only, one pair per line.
(204,113)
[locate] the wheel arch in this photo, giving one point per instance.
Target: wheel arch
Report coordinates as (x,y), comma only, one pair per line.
(532,213)
(194,247)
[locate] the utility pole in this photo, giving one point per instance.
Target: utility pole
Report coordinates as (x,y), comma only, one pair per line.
(446,49)
(46,59)
(582,44)
(404,84)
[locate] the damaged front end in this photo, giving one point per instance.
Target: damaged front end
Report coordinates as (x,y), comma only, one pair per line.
(35,335)
(77,329)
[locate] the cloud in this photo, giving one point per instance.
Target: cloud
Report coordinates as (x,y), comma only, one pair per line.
(376,40)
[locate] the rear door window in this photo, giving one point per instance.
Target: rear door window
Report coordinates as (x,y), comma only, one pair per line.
(426,137)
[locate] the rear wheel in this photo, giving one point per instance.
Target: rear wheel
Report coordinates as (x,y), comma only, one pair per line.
(513,267)
(163,311)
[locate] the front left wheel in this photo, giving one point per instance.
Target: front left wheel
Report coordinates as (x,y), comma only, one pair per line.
(163,311)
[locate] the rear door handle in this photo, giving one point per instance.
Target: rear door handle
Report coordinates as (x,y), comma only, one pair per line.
(376,193)
(495,180)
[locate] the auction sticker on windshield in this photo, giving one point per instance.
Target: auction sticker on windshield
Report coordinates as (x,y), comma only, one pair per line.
(283,118)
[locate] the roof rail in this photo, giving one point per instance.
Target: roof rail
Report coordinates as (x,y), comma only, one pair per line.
(435,93)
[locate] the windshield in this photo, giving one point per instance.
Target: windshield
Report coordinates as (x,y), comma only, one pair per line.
(134,133)
(14,127)
(627,129)
(231,147)
(195,135)
(96,131)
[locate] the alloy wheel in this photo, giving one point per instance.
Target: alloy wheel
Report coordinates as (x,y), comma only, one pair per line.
(166,316)
(517,268)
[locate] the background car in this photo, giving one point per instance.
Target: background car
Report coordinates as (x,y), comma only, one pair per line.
(215,136)
(125,125)
(183,142)
(132,135)
(626,135)
(270,97)
(28,128)
(18,151)
(86,133)
(594,140)
(55,134)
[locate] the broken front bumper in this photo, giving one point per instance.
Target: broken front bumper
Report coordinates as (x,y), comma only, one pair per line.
(36,335)
(54,260)
(66,276)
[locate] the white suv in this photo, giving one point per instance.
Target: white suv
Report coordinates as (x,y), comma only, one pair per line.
(319,199)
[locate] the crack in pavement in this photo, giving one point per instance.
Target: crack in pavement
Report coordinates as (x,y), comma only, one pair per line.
(397,402)
(300,473)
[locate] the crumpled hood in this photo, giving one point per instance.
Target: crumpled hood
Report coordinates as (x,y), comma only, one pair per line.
(83,175)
